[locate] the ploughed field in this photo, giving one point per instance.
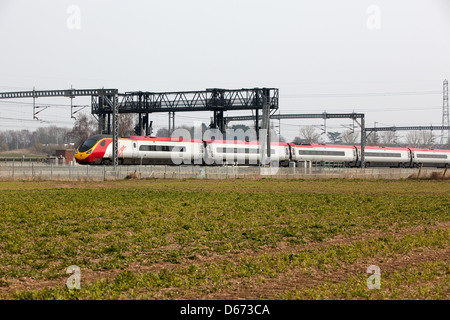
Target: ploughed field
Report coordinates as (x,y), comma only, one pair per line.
(225,239)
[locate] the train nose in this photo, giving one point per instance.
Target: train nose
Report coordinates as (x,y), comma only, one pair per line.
(81,156)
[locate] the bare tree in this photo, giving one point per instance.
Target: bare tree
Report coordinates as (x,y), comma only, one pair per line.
(413,139)
(163,133)
(126,124)
(334,136)
(447,145)
(388,138)
(309,135)
(373,139)
(3,142)
(84,127)
(194,131)
(297,140)
(349,137)
(427,139)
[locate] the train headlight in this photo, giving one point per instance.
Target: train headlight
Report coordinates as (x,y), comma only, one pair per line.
(90,151)
(76,151)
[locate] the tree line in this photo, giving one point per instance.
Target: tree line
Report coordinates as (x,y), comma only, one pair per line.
(46,139)
(413,139)
(37,140)
(41,139)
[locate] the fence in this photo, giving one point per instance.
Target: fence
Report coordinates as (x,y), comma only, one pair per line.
(37,171)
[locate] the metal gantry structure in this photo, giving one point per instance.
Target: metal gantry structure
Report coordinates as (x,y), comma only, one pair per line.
(407,128)
(216,100)
(324,115)
(107,104)
(445,114)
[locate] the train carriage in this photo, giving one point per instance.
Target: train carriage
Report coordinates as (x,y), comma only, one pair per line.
(430,158)
(331,154)
(141,150)
(243,152)
(386,157)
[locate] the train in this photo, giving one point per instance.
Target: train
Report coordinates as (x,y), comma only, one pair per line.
(145,150)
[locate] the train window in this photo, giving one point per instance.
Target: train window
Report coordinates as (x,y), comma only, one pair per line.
(241,150)
(321,153)
(147,148)
(103,143)
(383,154)
(87,145)
(432,156)
(236,150)
(134,145)
(162,148)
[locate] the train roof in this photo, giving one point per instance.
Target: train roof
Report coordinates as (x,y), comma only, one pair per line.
(244,142)
(370,147)
(323,146)
(150,138)
(162,139)
(366,147)
(99,136)
(430,150)
(383,148)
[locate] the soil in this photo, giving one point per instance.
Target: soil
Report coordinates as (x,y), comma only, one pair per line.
(255,289)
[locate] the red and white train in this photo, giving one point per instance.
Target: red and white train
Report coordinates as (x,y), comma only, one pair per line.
(153,150)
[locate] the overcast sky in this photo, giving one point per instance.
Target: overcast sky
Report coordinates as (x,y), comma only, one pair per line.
(387,59)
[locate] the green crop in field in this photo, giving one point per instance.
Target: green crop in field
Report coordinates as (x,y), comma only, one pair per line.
(194,226)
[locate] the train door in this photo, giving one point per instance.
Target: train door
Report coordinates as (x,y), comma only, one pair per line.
(411,158)
(292,156)
(356,157)
(134,150)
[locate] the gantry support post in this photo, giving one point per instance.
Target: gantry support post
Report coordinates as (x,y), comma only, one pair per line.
(115,131)
(363,141)
(264,144)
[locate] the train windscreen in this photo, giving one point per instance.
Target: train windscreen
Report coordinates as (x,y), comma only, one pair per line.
(87,145)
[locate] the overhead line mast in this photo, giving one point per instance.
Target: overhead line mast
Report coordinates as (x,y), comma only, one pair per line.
(71,93)
(445,138)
